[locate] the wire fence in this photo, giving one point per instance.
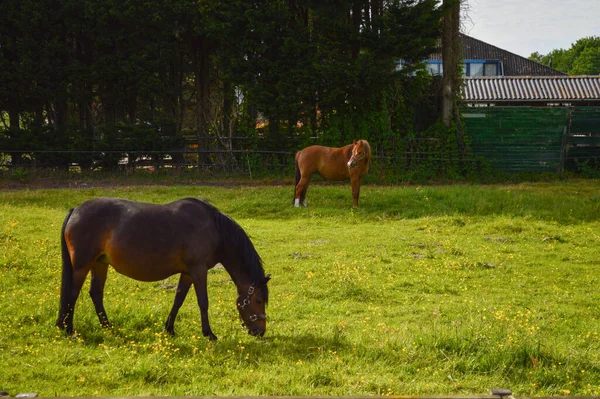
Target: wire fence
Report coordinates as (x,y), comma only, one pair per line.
(504,139)
(242,162)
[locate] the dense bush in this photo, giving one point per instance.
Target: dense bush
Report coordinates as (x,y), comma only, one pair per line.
(98,82)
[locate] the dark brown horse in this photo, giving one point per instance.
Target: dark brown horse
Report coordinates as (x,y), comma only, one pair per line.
(149,242)
(349,162)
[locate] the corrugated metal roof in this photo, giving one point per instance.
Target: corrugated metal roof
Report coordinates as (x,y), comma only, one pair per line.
(513,64)
(532,88)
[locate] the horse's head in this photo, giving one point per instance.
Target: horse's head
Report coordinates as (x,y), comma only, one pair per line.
(251,306)
(359,152)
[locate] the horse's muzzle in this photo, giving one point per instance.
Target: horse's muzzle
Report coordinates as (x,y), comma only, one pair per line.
(257,332)
(257,325)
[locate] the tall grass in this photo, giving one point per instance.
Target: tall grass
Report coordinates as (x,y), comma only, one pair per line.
(420,291)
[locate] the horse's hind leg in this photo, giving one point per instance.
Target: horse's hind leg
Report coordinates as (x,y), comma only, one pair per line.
(99,272)
(79,276)
(300,198)
(183,287)
(303,196)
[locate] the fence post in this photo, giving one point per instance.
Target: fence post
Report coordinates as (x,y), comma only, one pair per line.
(248,160)
(564,145)
(563,154)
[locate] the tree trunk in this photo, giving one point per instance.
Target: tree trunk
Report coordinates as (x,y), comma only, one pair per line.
(13,133)
(86,124)
(200,61)
(451,59)
(228,117)
(60,111)
(356,25)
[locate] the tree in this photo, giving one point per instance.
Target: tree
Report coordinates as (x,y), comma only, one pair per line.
(451,56)
(331,65)
(582,58)
(84,70)
(588,62)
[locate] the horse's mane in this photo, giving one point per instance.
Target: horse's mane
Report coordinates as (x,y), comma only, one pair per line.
(234,236)
(367,151)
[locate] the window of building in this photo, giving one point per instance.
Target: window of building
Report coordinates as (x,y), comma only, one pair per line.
(476,69)
(491,69)
(482,68)
(435,69)
(469,68)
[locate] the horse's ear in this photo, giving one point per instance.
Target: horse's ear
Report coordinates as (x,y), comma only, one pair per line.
(353,142)
(266,279)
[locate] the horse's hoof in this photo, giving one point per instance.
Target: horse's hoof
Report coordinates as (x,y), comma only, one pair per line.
(211,336)
(68,331)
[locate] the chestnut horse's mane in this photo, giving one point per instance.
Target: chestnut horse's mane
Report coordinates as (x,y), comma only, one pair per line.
(367,151)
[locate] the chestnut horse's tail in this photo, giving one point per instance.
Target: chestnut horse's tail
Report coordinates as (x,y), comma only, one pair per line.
(298,175)
(67,276)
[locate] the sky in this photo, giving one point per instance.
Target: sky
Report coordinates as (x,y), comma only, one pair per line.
(525,26)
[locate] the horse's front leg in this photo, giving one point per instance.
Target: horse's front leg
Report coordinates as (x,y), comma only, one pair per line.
(355,181)
(183,287)
(199,276)
(99,272)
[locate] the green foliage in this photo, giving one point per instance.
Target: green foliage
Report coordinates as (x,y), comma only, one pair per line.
(582,58)
(21,175)
(445,290)
(588,62)
(589,168)
(50,147)
(308,68)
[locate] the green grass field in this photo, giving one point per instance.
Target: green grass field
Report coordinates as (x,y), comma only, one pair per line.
(421,291)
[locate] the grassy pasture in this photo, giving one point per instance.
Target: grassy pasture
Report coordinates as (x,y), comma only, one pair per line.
(421,291)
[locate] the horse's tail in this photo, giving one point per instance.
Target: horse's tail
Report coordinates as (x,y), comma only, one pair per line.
(298,175)
(67,276)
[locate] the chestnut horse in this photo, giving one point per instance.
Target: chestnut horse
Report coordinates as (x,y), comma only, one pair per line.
(349,162)
(149,242)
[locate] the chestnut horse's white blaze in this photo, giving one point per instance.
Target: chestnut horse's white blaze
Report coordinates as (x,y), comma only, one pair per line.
(346,163)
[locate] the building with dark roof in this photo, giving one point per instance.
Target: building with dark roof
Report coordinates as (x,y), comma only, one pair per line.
(532,90)
(483,59)
(493,76)
(525,116)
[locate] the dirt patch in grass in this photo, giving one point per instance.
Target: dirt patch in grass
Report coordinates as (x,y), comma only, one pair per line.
(54,183)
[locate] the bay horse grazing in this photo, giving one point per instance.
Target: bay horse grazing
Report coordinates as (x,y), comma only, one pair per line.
(349,162)
(149,242)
